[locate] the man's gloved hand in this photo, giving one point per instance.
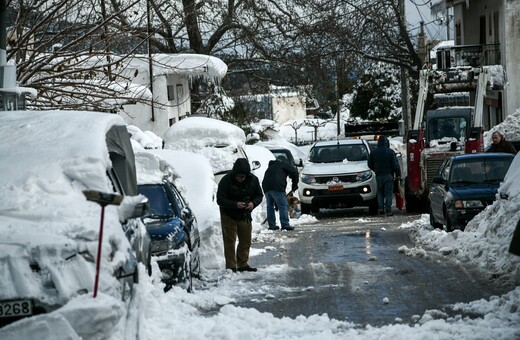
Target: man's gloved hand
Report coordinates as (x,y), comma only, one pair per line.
(294,189)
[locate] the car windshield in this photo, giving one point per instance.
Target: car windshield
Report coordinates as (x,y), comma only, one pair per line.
(157,199)
(478,171)
(452,127)
(338,153)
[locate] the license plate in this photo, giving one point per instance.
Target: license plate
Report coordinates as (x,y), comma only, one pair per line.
(335,187)
(15,308)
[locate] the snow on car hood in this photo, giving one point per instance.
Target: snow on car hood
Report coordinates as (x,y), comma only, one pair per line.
(334,168)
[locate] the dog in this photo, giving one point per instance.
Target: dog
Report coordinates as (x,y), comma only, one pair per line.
(293,204)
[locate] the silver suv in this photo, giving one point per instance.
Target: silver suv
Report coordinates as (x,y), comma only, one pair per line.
(336,175)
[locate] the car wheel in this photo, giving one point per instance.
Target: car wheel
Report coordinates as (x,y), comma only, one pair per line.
(195,263)
(306,208)
(434,223)
(411,206)
(372,208)
(187,275)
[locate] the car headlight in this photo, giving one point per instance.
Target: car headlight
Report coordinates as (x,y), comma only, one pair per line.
(307,179)
(364,176)
(468,204)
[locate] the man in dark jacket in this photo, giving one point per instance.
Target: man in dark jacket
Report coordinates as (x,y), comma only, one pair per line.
(383,161)
(238,193)
(500,144)
(274,185)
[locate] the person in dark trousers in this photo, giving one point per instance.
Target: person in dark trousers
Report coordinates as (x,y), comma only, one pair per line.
(383,161)
(238,193)
(274,184)
(500,144)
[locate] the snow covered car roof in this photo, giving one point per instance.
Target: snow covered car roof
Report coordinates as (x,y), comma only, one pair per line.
(220,142)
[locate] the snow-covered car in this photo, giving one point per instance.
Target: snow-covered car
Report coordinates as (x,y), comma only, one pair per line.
(170,221)
(336,175)
(221,142)
(50,231)
(293,153)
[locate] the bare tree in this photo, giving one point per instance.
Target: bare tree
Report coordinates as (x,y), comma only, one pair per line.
(281,42)
(61,49)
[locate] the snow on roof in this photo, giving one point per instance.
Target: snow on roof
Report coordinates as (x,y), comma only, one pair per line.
(191,65)
(444,43)
(151,169)
(201,132)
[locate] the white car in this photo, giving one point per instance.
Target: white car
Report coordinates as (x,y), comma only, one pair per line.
(336,175)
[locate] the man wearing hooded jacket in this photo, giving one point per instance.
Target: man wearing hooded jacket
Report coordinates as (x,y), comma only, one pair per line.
(274,185)
(238,193)
(383,161)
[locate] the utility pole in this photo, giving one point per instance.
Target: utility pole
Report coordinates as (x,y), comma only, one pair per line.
(405,82)
(447,24)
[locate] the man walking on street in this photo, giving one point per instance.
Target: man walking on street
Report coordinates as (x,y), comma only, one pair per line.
(383,161)
(274,185)
(238,193)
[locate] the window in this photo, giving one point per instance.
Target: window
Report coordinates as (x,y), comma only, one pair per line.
(171,94)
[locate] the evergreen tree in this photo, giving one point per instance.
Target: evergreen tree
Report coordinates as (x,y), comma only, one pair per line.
(376,96)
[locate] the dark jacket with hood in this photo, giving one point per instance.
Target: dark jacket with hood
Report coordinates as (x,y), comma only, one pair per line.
(230,191)
(382,160)
(503,146)
(275,177)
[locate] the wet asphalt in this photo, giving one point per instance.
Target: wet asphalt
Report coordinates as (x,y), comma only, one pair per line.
(348,265)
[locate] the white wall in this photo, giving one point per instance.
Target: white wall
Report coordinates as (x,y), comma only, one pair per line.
(512,55)
(140,115)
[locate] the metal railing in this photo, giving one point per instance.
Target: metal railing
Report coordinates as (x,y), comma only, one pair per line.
(468,55)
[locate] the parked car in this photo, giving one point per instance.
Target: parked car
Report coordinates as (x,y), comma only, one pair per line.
(288,149)
(50,231)
(286,156)
(170,222)
(336,175)
(464,186)
(220,142)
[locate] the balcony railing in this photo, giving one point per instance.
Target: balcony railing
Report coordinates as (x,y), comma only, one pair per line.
(468,55)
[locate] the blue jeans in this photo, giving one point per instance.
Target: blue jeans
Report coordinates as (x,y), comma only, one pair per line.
(278,198)
(385,191)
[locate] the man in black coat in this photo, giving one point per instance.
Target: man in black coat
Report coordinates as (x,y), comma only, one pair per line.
(500,144)
(274,185)
(383,161)
(238,193)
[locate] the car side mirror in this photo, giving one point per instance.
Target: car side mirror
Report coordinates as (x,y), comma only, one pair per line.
(133,207)
(256,165)
(300,162)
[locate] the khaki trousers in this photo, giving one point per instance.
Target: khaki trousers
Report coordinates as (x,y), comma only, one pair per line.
(236,256)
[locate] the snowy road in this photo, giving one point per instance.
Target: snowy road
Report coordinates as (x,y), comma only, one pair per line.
(349,266)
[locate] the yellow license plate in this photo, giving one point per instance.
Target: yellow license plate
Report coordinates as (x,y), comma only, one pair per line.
(335,187)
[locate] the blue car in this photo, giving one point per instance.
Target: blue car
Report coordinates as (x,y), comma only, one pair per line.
(174,232)
(464,186)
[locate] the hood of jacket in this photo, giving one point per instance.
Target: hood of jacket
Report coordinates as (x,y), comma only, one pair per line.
(241,166)
(383,141)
